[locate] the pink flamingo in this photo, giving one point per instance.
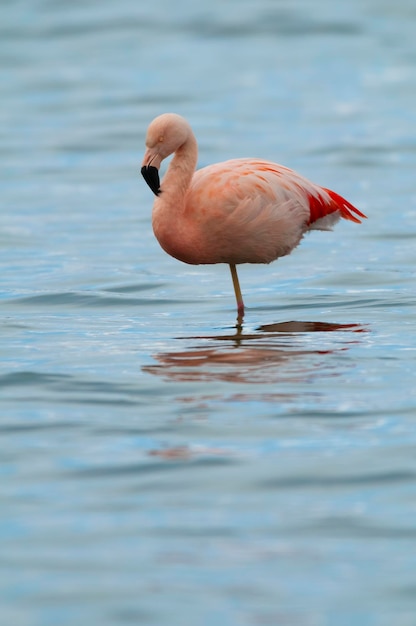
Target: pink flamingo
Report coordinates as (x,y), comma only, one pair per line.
(238,211)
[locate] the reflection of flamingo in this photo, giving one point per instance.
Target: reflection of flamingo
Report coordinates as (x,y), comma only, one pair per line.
(262,356)
(238,211)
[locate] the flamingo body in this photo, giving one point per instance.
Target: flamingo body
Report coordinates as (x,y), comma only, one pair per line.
(237,211)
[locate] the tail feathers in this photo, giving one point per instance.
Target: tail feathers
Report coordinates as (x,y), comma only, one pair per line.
(346,209)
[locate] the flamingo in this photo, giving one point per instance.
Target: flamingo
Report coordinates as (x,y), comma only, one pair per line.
(238,211)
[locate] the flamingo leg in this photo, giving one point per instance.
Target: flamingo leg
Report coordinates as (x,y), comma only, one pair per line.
(238,295)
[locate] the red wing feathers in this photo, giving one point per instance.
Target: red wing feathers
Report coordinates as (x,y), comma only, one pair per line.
(320,207)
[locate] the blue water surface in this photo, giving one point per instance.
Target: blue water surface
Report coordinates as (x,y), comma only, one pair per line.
(160,466)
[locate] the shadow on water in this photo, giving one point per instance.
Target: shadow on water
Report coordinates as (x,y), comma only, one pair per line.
(292,351)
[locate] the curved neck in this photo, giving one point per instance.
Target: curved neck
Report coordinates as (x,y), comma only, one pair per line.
(180,171)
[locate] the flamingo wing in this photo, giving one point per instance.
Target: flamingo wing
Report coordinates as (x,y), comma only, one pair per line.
(254,211)
(246,211)
(249,183)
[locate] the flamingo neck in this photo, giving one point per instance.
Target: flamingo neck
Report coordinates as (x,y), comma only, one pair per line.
(170,226)
(180,171)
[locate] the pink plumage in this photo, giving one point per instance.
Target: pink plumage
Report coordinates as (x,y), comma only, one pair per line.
(238,211)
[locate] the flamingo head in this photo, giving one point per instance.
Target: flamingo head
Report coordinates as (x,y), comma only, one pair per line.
(165,135)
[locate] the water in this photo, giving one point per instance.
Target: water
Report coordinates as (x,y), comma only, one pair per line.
(158,467)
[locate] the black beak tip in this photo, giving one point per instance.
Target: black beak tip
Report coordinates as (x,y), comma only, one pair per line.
(151,176)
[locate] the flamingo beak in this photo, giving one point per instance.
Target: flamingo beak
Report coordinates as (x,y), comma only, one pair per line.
(151,172)
(151,176)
